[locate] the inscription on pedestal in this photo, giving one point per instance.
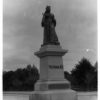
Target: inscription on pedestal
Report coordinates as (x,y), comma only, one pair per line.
(58,86)
(56,67)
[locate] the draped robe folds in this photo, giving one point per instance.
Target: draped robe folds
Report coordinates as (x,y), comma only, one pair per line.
(49,23)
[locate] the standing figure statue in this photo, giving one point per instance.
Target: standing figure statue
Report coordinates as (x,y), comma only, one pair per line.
(49,23)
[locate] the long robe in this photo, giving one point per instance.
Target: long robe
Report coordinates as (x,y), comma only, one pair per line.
(49,23)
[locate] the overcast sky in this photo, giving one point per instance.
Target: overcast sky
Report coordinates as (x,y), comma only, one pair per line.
(23,35)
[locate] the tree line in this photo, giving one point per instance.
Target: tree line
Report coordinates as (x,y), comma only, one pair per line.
(83,77)
(21,79)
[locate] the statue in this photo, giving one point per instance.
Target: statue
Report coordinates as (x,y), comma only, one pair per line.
(49,23)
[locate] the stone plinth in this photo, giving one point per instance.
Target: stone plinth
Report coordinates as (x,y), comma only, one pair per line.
(51,68)
(54,95)
(52,85)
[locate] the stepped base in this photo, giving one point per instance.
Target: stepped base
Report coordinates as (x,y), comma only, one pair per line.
(54,95)
(51,85)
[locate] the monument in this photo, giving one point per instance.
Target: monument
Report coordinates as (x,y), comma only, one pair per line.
(51,85)
(49,23)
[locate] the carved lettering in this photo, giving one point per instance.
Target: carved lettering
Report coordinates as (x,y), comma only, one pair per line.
(55,66)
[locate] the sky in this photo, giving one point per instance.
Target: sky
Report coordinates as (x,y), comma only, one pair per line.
(23,35)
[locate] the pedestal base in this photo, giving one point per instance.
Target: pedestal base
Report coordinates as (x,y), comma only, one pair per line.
(52,85)
(54,95)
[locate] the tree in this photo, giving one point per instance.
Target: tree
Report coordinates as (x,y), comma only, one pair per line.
(96,66)
(83,74)
(67,76)
(20,79)
(7,80)
(95,76)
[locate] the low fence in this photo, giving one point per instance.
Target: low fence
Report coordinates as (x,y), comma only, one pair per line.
(25,95)
(87,95)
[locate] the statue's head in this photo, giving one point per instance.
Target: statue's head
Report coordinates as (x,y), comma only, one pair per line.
(48,9)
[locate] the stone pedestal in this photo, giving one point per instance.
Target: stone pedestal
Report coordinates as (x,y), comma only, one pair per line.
(52,85)
(51,68)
